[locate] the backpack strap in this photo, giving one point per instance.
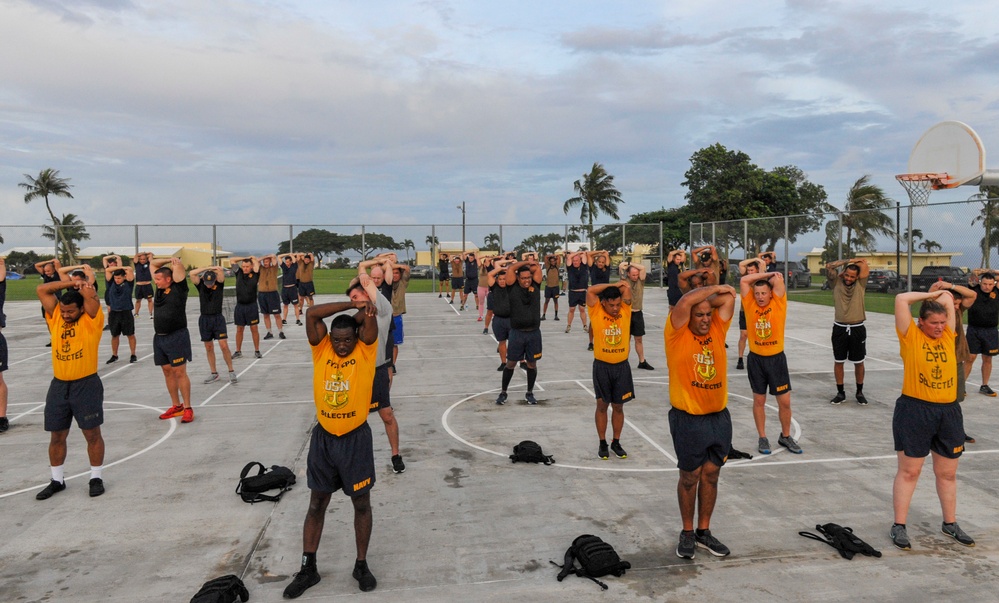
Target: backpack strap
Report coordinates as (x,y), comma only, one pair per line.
(568,566)
(246,470)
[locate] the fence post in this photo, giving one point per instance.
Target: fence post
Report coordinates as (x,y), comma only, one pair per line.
(908,253)
(291,239)
(364,245)
(433,260)
(745,238)
(501,247)
(136,239)
(787,260)
(215,246)
(662,268)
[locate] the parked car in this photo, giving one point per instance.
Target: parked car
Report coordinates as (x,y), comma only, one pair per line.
(931,274)
(798,274)
(421,271)
(882,280)
(13,276)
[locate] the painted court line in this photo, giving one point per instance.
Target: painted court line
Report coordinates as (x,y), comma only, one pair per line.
(634,427)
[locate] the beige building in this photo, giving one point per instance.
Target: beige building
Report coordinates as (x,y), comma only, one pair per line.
(192,255)
(885,260)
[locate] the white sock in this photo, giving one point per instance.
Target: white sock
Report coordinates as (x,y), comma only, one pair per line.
(57,474)
(95,472)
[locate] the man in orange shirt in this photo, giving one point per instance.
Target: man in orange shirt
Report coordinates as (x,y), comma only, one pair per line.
(76,323)
(609,307)
(699,421)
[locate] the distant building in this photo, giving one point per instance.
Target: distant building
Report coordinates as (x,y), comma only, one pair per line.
(885,260)
(197,255)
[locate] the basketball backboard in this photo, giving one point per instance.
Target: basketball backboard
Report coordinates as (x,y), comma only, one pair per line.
(953,151)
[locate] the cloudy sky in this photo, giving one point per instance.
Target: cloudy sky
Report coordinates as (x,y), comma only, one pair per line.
(278,111)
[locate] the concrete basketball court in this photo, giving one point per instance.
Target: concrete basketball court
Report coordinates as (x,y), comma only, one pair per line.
(463,523)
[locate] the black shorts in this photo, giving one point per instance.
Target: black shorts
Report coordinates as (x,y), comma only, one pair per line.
(919,427)
(471,284)
(212,327)
(577,298)
(173,349)
(768,373)
(457,283)
(962,388)
(82,399)
(983,340)
(849,343)
(246,314)
(501,327)
(289,295)
(344,462)
(144,291)
(552,292)
(698,439)
(742,319)
(489,300)
(524,345)
(121,322)
(269,302)
(380,389)
(307,289)
(3,353)
(612,382)
(443,276)
(637,324)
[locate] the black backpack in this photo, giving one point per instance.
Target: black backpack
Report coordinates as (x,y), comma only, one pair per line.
(252,488)
(222,590)
(596,558)
(530,452)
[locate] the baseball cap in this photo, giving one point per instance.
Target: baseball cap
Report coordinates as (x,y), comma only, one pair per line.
(209,277)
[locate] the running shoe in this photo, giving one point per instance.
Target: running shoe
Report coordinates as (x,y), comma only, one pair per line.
(740,365)
(840,397)
(96,487)
(298,322)
(188,415)
(712,544)
(281,335)
(485,331)
(133,359)
(954,531)
(480,319)
(257,354)
(985,389)
(861,399)
(233,379)
(53,488)
(789,443)
(618,451)
(269,335)
(173,411)
(686,548)
(568,328)
(967,438)
(365,580)
(501,366)
(237,354)
(112,360)
(899,537)
(397,465)
(589,348)
(304,580)
(4,424)
(557,318)
(211,378)
(544,317)
(530,398)
(764,446)
(602,452)
(645,365)
(501,399)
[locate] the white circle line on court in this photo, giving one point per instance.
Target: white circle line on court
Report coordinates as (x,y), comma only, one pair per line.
(172,428)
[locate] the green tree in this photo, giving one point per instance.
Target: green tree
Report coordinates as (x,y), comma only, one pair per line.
(24,262)
(989,218)
(372,241)
(542,244)
(407,245)
(48,183)
(595,194)
(723,184)
(317,241)
(930,246)
(864,217)
(491,242)
(66,233)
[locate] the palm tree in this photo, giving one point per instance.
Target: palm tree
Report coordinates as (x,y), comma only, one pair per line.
(989,217)
(48,183)
(66,234)
(863,216)
(913,236)
(434,244)
(408,244)
(491,242)
(595,194)
(930,246)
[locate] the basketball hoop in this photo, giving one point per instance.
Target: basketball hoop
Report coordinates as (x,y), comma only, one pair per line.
(919,186)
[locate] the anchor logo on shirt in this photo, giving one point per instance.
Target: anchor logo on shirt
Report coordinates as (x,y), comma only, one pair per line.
(763,329)
(612,335)
(705,361)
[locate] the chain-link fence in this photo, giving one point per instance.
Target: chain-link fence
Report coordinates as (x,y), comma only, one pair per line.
(899,240)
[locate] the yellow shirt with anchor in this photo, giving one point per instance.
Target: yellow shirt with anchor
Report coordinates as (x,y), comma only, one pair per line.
(74,346)
(611,336)
(342,386)
(697,367)
(930,372)
(765,326)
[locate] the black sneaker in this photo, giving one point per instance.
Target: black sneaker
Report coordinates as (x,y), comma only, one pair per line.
(440,295)
(740,365)
(954,531)
(544,317)
(485,331)
(304,580)
(899,537)
(5,424)
(618,451)
(298,322)
(501,399)
(257,354)
(501,367)
(967,438)
(986,390)
(602,452)
(530,398)
(96,487)
(398,467)
(133,359)
(589,348)
(712,544)
(269,335)
(284,322)
(645,365)
(840,397)
(557,318)
(281,335)
(861,399)
(51,489)
(112,360)
(236,355)
(365,580)
(686,548)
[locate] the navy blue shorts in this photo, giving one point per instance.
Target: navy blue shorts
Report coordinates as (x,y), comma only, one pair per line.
(344,462)
(144,291)
(381,388)
(3,353)
(212,327)
(471,284)
(289,295)
(919,427)
(82,399)
(173,349)
(489,300)
(269,302)
(768,373)
(245,314)
(698,439)
(983,340)
(524,345)
(458,283)
(612,382)
(501,328)
(307,289)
